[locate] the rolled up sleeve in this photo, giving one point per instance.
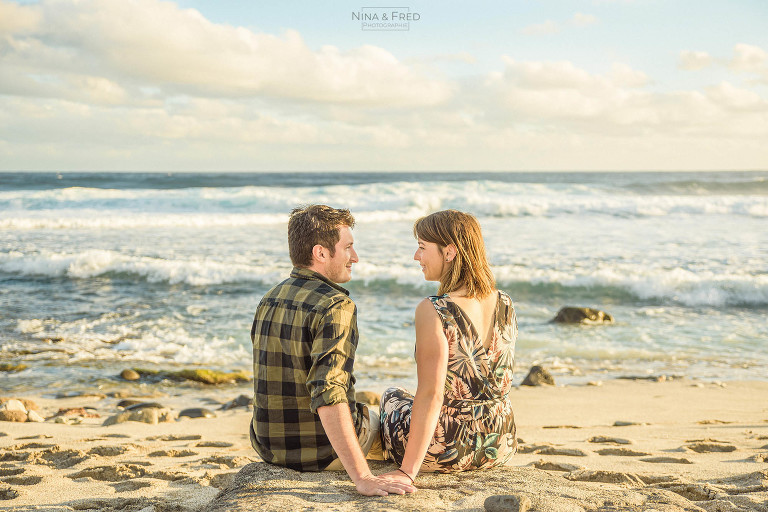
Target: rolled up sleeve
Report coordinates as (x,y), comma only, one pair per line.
(333,355)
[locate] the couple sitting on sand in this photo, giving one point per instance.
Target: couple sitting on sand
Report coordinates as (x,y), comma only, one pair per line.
(304,335)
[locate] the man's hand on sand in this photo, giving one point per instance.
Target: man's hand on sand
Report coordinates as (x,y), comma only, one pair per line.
(375,486)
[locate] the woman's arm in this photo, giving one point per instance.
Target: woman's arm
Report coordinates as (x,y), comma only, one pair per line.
(431,367)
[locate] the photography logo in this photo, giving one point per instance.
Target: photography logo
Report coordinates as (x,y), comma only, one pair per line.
(395,19)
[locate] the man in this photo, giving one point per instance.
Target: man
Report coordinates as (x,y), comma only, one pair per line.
(304,339)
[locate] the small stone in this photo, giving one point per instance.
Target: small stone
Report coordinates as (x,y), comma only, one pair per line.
(13,405)
(596,383)
(144,405)
(59,419)
(507,503)
(627,423)
(16,416)
(35,417)
(197,412)
(114,420)
(129,374)
(84,412)
(538,376)
(240,401)
(123,404)
(149,415)
(28,404)
(368,397)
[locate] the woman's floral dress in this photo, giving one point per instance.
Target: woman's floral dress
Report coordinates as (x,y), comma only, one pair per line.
(476,427)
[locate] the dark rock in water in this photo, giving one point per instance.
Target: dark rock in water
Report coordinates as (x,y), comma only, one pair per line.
(129,374)
(571,315)
(143,405)
(368,397)
(10,367)
(241,401)
(197,412)
(507,503)
(538,376)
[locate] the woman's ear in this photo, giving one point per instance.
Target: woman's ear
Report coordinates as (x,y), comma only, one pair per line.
(450,252)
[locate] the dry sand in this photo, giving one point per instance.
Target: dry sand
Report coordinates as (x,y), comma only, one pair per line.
(702,444)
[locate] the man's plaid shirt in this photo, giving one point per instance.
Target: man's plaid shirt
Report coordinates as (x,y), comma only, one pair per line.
(304,339)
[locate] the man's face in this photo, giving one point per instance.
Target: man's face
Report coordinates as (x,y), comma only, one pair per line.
(338,268)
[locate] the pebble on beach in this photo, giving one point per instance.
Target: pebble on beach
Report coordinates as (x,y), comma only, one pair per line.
(197,412)
(129,374)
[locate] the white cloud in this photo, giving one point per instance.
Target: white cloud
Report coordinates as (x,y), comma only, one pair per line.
(693,61)
(546,28)
(748,58)
(582,20)
(142,42)
(146,85)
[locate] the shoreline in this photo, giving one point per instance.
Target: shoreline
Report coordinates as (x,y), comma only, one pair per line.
(721,430)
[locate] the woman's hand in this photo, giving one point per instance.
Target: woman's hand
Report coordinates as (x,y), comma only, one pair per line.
(397,476)
(383,485)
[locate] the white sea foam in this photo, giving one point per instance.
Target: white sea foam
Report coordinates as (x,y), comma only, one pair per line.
(678,285)
(79,208)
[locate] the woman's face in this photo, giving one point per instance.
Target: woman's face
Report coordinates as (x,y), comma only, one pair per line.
(431,257)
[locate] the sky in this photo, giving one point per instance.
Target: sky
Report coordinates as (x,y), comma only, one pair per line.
(508,85)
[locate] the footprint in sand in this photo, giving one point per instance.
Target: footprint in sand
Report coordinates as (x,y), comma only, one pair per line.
(666,460)
(759,457)
(555,466)
(623,452)
(172,437)
(172,453)
(713,422)
(23,480)
(709,447)
(130,485)
(30,446)
(611,440)
(7,492)
(38,436)
(213,444)
(608,477)
(111,451)
(570,452)
(10,471)
(113,473)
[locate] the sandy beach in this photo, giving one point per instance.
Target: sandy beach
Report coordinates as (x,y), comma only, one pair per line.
(705,442)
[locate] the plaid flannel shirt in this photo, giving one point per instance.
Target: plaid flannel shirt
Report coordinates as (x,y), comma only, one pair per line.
(304,339)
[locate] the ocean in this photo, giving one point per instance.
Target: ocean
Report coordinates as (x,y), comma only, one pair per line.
(105,271)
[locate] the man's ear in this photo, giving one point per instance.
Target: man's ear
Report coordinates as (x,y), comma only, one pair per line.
(319,253)
(450,252)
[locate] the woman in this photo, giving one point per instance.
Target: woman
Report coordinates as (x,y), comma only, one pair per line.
(461,416)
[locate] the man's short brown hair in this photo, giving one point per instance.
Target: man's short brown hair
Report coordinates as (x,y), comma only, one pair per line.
(312,225)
